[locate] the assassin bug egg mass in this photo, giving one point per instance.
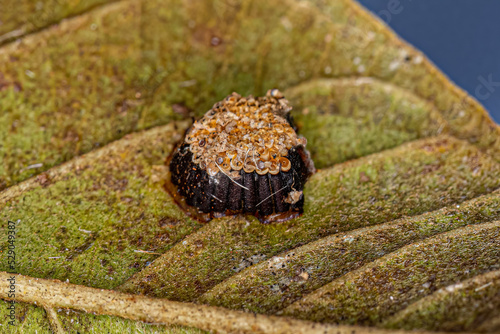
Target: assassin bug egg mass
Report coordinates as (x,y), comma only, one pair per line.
(242,156)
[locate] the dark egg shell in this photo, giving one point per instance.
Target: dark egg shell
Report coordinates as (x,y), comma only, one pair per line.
(239,176)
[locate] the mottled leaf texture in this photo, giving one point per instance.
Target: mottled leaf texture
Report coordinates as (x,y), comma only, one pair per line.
(400,230)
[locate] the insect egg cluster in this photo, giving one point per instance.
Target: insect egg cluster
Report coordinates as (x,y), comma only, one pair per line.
(244,133)
(242,156)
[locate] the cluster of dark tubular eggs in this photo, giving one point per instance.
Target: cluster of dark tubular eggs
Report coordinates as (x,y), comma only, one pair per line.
(242,156)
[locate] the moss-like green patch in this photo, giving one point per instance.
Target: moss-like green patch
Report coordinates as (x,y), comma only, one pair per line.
(80,322)
(381,288)
(410,180)
(392,60)
(134,65)
(344,119)
(28,319)
(463,306)
(276,283)
(72,88)
(18,18)
(94,221)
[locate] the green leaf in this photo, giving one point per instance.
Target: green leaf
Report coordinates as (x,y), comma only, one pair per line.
(400,226)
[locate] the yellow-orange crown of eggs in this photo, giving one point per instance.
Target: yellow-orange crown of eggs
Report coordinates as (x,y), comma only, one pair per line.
(246,133)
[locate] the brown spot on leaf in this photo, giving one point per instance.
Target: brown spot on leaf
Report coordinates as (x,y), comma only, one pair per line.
(162,237)
(436,145)
(167,222)
(43,179)
(363,178)
(116,184)
(134,265)
(148,278)
(180,109)
(430,168)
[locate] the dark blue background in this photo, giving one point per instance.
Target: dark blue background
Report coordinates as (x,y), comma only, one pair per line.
(462,37)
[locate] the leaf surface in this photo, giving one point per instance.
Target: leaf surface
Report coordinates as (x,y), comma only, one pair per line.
(400,227)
